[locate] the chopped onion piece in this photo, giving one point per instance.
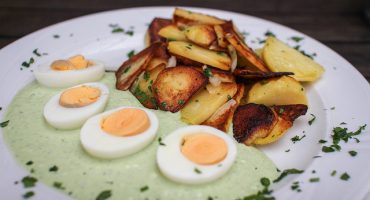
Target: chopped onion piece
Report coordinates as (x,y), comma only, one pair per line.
(171,62)
(234,57)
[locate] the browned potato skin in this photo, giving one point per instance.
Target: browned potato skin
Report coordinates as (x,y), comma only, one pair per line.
(174,86)
(252,73)
(154,27)
(184,18)
(160,57)
(242,48)
(222,118)
(253,121)
(128,72)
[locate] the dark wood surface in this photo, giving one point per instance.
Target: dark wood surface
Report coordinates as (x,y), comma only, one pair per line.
(340,24)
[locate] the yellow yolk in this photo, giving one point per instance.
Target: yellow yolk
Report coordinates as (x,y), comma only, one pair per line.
(73,63)
(79,97)
(126,122)
(204,148)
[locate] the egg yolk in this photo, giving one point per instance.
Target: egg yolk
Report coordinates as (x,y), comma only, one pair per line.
(79,97)
(126,122)
(204,148)
(73,63)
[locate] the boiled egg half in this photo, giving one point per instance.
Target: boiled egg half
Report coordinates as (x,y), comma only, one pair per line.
(119,132)
(66,73)
(73,106)
(196,154)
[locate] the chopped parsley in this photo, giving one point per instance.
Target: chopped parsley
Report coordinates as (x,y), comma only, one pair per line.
(304,53)
(160,142)
(264,194)
(36,53)
(333,173)
(196,170)
(281,111)
(131,53)
(104,195)
(56,36)
(164,104)
(332,108)
(207,71)
(127,69)
(312,120)
(229,97)
(130,32)
(295,186)
(29,181)
(352,153)
(314,180)
(4,124)
(345,176)
(29,63)
(28,194)
(116,28)
(59,185)
(269,33)
(287,150)
(145,188)
(53,168)
(343,123)
(342,134)
(181,102)
(29,162)
(297,138)
(146,76)
(287,172)
(322,141)
(296,39)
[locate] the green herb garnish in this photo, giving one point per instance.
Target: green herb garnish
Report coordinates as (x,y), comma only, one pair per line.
(131,53)
(281,111)
(53,168)
(29,63)
(327,149)
(345,176)
(196,170)
(59,185)
(295,186)
(181,102)
(29,181)
(56,36)
(352,153)
(104,195)
(164,105)
(4,124)
(322,141)
(264,194)
(207,71)
(296,38)
(312,120)
(143,189)
(269,33)
(229,97)
(333,173)
(287,172)
(130,33)
(28,194)
(36,53)
(160,142)
(314,180)
(127,69)
(297,138)
(29,162)
(146,76)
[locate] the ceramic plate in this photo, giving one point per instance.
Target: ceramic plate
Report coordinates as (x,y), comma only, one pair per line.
(341,95)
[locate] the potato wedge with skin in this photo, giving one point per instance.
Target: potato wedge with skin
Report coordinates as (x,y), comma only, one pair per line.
(202,35)
(222,118)
(160,57)
(286,116)
(186,17)
(204,103)
(187,62)
(152,35)
(250,73)
(284,90)
(221,41)
(252,121)
(172,33)
(242,48)
(280,57)
(176,85)
(143,89)
(193,52)
(132,68)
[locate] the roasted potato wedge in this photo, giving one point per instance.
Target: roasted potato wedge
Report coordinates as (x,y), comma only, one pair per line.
(221,41)
(222,118)
(193,52)
(152,35)
(202,35)
(286,116)
(242,48)
(184,17)
(203,104)
(160,57)
(174,86)
(284,90)
(143,89)
(187,62)
(279,57)
(252,121)
(132,68)
(172,33)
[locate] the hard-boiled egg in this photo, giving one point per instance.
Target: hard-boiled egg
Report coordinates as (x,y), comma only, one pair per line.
(196,154)
(73,106)
(70,72)
(119,132)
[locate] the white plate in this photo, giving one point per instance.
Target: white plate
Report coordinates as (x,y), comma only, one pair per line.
(342,87)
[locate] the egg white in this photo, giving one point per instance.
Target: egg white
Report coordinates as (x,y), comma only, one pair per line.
(176,167)
(57,79)
(101,144)
(71,118)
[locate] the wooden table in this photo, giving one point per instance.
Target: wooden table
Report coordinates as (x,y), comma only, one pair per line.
(339,24)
